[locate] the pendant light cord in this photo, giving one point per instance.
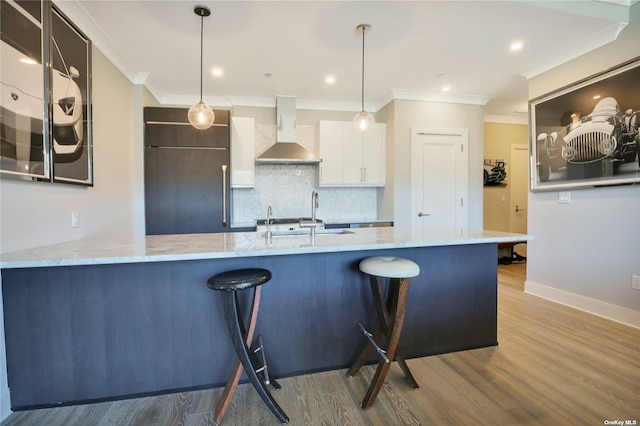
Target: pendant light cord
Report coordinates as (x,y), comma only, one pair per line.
(363,31)
(201,52)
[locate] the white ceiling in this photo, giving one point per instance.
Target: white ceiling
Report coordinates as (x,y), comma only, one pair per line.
(412,50)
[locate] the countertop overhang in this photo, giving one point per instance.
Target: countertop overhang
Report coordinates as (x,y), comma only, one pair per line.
(166,248)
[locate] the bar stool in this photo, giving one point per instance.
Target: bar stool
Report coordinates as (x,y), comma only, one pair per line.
(396,271)
(230,283)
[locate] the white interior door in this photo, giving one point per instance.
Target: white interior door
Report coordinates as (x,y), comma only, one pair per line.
(439,178)
(518,181)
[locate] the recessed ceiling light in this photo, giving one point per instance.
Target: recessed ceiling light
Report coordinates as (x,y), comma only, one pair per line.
(330,79)
(446,88)
(596,97)
(28,61)
(217,71)
(516,45)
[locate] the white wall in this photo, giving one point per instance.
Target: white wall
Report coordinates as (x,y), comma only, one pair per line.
(38,213)
(438,115)
(584,253)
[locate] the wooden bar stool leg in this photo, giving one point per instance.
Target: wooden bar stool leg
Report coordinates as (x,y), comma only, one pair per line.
(234,323)
(393,301)
(385,322)
(394,338)
(232,383)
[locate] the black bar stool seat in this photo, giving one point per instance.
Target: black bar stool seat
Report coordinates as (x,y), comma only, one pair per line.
(239,279)
(230,283)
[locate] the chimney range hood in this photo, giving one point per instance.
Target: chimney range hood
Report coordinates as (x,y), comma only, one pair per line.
(286,150)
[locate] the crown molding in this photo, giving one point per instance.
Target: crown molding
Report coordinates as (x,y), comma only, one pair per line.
(506,119)
(454,98)
(81,18)
(181,100)
(598,40)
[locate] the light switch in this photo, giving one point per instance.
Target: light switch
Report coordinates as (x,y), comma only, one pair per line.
(564,197)
(75,220)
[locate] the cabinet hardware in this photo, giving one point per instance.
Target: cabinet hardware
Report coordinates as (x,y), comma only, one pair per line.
(224,195)
(423,214)
(177,123)
(209,148)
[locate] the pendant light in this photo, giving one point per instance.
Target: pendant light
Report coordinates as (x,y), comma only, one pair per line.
(201,116)
(363,121)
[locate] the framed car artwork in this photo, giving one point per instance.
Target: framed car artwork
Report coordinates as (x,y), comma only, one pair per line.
(587,134)
(70,56)
(23,145)
(45,111)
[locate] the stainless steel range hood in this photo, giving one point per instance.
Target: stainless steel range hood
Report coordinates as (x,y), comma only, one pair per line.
(286,150)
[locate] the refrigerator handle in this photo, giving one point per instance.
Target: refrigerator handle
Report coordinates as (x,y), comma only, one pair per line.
(224,195)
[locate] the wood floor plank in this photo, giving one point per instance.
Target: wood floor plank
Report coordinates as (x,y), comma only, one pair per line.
(553,365)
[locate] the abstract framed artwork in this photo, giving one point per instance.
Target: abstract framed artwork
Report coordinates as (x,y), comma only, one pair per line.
(45,115)
(587,134)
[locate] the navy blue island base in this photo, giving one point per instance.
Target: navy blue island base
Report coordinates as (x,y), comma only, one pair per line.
(87,333)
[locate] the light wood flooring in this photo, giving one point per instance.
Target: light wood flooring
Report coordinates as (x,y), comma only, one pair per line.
(554,366)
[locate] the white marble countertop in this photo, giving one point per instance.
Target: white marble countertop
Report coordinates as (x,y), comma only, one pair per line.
(162,248)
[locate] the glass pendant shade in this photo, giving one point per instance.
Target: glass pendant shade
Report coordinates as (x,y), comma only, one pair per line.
(201,116)
(363,121)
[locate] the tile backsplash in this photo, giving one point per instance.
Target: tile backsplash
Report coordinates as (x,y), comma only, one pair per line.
(287,188)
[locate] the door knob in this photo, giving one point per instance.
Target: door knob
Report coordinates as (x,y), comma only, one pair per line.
(518,209)
(423,214)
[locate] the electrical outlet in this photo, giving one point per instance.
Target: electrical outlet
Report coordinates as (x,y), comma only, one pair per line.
(635,282)
(564,197)
(75,220)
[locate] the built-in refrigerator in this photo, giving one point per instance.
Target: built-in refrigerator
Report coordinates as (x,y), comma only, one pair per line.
(186,173)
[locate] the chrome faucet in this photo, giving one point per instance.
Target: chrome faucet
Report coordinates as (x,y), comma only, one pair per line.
(313,223)
(268,233)
(314,204)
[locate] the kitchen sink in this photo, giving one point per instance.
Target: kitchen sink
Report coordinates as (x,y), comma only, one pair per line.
(302,232)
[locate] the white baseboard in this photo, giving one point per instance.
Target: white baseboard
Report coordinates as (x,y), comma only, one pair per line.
(5,404)
(593,306)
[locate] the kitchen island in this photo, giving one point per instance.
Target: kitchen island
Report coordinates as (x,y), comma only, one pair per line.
(100,319)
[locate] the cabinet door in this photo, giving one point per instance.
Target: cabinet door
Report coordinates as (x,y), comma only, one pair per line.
(332,164)
(352,152)
(373,156)
(184,190)
(243,152)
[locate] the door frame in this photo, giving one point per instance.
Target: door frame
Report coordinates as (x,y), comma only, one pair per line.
(518,147)
(462,172)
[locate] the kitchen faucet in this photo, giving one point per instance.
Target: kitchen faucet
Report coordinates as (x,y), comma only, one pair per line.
(268,233)
(313,223)
(314,204)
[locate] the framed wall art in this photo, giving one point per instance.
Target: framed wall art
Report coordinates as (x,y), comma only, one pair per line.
(45,125)
(70,106)
(23,142)
(587,134)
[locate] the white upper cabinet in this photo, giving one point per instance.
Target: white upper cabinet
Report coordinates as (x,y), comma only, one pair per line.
(243,152)
(351,158)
